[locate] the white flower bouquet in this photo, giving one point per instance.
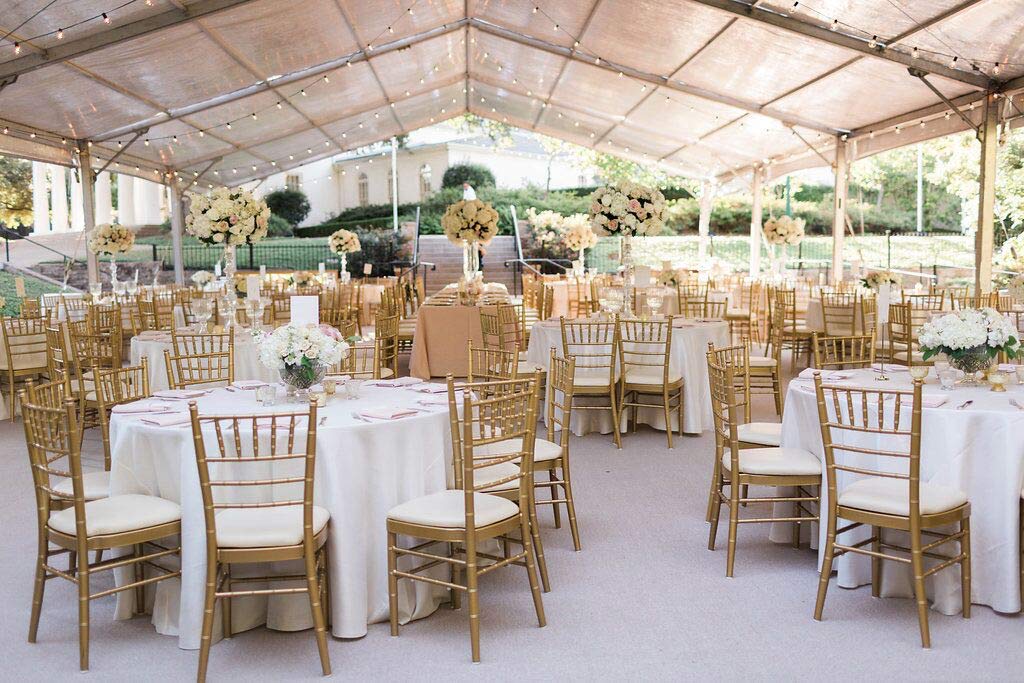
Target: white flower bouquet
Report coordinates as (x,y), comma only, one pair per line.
(471,221)
(344,242)
(877,278)
(201,278)
(971,338)
(784,230)
(227,217)
(301,278)
(669,278)
(110,239)
(546,226)
(1016,287)
(577,234)
(627,209)
(300,353)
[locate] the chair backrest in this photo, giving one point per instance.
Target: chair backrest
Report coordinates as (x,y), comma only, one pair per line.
(51,437)
(901,325)
(561,380)
(871,426)
(715,308)
(924,302)
(389,302)
(280,307)
(196,359)
(386,340)
(60,362)
(839,313)
(645,346)
(725,406)
(594,346)
(156,313)
(104,316)
(500,327)
(785,304)
(491,364)
(868,313)
(25,344)
(74,307)
(31,308)
(738,357)
(116,386)
(249,461)
(851,351)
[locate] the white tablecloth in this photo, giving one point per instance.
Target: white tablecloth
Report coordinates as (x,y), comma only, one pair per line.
(151,346)
(362,470)
(689,348)
(979,450)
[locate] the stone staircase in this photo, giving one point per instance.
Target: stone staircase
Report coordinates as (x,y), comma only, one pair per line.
(448,257)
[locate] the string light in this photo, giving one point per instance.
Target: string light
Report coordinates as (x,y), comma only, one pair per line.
(106,19)
(17,48)
(60,34)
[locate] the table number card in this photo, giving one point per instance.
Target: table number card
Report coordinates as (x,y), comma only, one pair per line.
(305,310)
(252,286)
(367,268)
(19,286)
(642,276)
(263,270)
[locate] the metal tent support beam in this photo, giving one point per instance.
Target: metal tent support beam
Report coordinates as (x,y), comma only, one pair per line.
(394,183)
(983,237)
(88,205)
(177,231)
(707,196)
(839,211)
(755,223)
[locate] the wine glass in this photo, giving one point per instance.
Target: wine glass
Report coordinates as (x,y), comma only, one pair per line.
(655,300)
(202,310)
(133,287)
(96,290)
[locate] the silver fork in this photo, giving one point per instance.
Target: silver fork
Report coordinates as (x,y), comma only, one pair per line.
(1015,404)
(965,404)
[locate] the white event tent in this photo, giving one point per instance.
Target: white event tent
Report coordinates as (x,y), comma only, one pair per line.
(198,93)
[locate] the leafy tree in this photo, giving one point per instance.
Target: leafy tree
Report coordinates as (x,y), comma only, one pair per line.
(291,205)
(476,175)
(15,191)
(500,133)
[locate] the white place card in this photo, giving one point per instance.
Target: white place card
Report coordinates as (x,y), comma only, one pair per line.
(252,286)
(263,270)
(305,310)
(321,268)
(216,269)
(19,286)
(642,276)
(367,268)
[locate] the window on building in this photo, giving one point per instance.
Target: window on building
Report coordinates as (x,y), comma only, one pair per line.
(293,181)
(364,190)
(425,187)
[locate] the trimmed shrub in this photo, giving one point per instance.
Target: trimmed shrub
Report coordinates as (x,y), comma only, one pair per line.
(291,205)
(476,175)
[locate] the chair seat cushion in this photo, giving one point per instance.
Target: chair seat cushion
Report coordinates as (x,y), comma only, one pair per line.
(892,496)
(542,449)
(775,461)
(527,367)
(447,509)
(763,433)
(762,362)
(118,514)
(650,375)
(737,314)
(598,377)
(265,527)
(96,485)
(495,473)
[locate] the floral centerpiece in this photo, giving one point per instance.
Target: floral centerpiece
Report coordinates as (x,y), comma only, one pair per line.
(301,279)
(669,278)
(467,222)
(344,242)
(228,217)
(201,278)
(301,353)
(878,278)
(111,239)
(577,235)
(781,232)
(546,227)
(971,338)
(240,284)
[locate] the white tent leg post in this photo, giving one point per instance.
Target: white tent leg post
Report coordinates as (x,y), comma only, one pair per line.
(707,196)
(177,231)
(394,183)
(983,238)
(755,223)
(40,199)
(839,211)
(88,181)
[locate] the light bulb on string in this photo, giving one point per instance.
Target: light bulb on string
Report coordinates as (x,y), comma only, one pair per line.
(17,48)
(60,34)
(915,53)
(106,19)
(835,25)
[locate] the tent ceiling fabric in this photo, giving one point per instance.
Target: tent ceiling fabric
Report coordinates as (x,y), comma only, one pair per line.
(241,89)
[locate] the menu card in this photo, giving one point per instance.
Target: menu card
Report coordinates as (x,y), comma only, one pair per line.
(305,310)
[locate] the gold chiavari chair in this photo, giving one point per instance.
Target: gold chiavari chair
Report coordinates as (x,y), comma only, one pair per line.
(839,314)
(76,526)
(692,307)
(903,328)
(750,433)
(578,292)
(852,351)
(462,520)
(716,309)
(252,469)
(793,335)
(742,316)
(280,309)
(386,345)
(502,327)
(855,424)
(490,364)
(546,305)
(25,353)
(74,307)
(924,302)
(551,455)
(60,362)
(869,321)
(115,387)
(645,360)
(595,347)
(93,349)
(981,300)
(740,468)
(31,308)
(197,359)
(155,314)
(389,304)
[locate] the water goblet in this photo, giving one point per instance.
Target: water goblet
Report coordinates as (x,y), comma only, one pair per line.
(330,386)
(1020,374)
(655,300)
(96,290)
(947,378)
(266,395)
(352,387)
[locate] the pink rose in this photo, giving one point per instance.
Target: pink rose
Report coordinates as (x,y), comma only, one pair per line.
(613,223)
(634,205)
(331,332)
(232,219)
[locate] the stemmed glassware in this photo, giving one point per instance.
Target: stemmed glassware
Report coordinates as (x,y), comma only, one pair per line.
(254,309)
(202,309)
(655,300)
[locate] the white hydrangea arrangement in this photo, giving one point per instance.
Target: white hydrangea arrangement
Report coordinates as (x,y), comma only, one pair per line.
(291,346)
(969,332)
(201,278)
(110,239)
(627,209)
(471,221)
(546,226)
(577,234)
(301,278)
(344,242)
(227,217)
(877,278)
(784,230)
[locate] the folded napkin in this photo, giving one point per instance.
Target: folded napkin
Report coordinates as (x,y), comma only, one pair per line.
(153,335)
(432,388)
(282,421)
(826,375)
(140,407)
(930,401)
(890,367)
(1007,367)
(437,401)
(180,393)
(247,384)
(385,413)
(168,419)
(398,382)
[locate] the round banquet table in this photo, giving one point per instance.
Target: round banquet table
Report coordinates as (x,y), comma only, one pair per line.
(151,346)
(979,450)
(363,469)
(690,340)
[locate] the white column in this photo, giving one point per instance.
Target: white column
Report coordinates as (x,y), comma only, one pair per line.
(707,196)
(147,202)
(839,211)
(125,199)
(177,203)
(59,197)
(755,223)
(104,202)
(77,206)
(983,237)
(40,199)
(87,194)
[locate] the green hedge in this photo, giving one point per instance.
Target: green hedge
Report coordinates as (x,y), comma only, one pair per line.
(332,226)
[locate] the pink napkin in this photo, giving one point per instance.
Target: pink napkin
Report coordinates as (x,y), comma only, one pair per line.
(399,382)
(140,407)
(247,384)
(931,401)
(826,375)
(167,419)
(432,389)
(153,335)
(385,413)
(180,393)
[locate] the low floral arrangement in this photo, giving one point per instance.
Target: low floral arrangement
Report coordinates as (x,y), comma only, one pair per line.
(241,284)
(470,220)
(301,348)
(669,278)
(344,242)
(716,267)
(229,217)
(577,233)
(1016,287)
(201,278)
(111,239)
(301,278)
(1009,259)
(546,226)
(969,333)
(784,230)
(627,209)
(877,278)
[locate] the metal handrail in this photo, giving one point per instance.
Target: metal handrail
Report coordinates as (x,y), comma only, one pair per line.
(520,263)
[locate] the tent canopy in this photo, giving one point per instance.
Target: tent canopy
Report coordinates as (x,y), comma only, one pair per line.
(212,92)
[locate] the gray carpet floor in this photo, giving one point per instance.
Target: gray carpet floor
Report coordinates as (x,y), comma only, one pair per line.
(643,599)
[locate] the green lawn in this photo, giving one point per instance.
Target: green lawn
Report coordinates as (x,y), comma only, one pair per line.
(33,289)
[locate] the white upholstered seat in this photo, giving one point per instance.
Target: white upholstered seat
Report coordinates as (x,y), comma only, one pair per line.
(775,461)
(542,448)
(447,509)
(118,514)
(762,362)
(526,367)
(650,375)
(892,496)
(265,527)
(95,485)
(763,433)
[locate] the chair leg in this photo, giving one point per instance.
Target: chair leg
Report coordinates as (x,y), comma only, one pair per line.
(474,598)
(777,391)
(225,604)
(713,490)
(456,594)
(393,583)
(917,564)
(209,605)
(538,545)
(38,590)
(616,436)
(570,505)
(668,417)
(734,515)
(965,567)
(876,563)
(553,488)
(140,574)
(83,612)
(826,567)
(531,570)
(317,608)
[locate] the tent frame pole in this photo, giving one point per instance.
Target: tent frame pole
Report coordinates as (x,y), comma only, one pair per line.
(839,210)
(88,206)
(985,234)
(755,222)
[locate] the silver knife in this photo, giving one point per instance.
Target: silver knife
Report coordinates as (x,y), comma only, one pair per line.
(964,404)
